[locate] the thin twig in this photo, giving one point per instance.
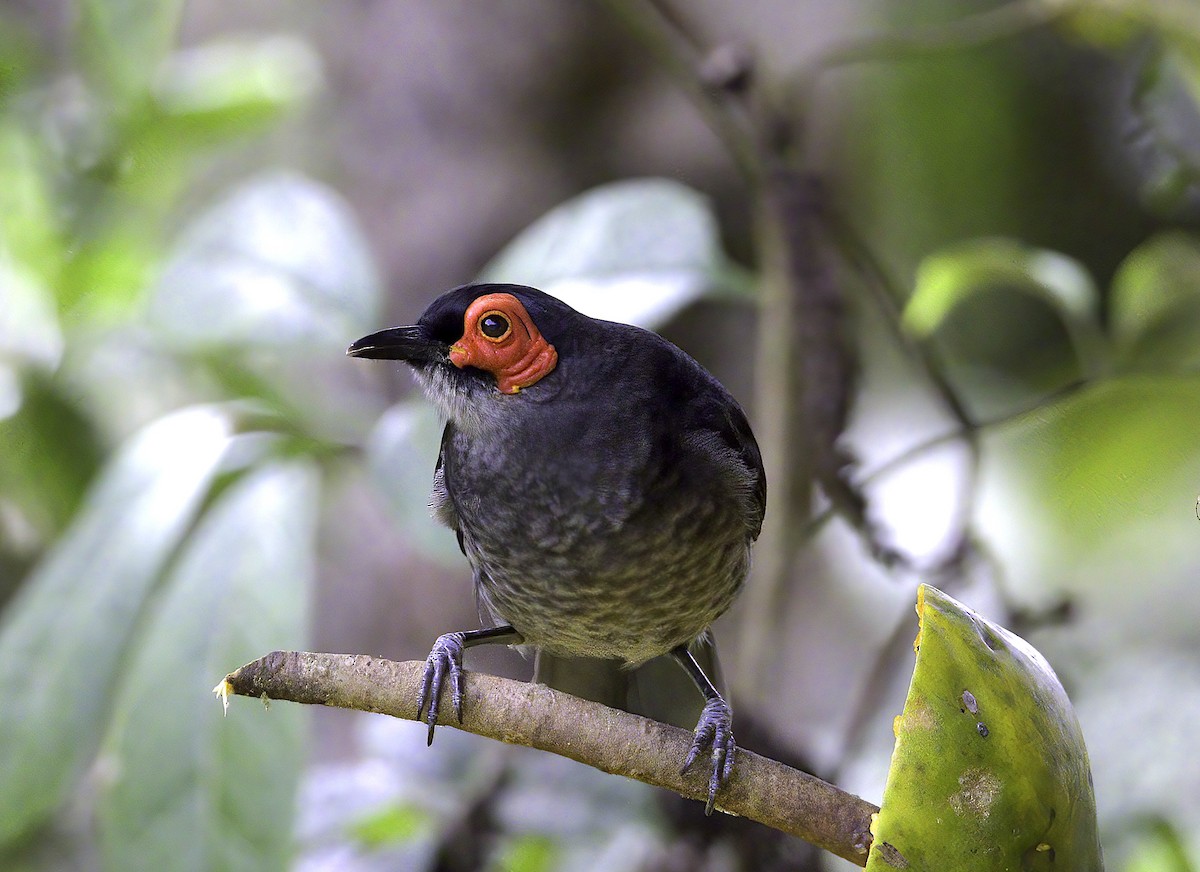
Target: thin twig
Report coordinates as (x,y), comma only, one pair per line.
(677,54)
(609,740)
(913,452)
(888,295)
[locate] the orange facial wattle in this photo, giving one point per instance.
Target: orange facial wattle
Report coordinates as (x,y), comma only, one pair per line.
(518,356)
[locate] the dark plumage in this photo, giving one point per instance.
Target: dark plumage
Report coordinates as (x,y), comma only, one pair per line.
(605,488)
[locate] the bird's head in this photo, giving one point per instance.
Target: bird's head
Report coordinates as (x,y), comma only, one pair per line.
(477,340)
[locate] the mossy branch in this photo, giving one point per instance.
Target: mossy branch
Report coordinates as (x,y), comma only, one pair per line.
(607,739)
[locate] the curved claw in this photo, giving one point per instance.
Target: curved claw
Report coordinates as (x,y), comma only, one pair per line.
(714,732)
(444,659)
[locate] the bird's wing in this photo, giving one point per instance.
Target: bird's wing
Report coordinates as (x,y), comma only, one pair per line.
(440,502)
(740,438)
(719,429)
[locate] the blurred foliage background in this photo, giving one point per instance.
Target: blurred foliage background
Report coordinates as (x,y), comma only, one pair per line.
(201,205)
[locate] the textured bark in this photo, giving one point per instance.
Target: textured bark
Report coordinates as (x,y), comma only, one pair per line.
(607,739)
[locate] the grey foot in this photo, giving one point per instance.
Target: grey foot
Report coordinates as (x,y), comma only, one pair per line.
(714,734)
(444,659)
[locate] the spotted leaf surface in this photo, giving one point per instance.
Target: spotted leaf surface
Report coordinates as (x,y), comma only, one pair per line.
(990,771)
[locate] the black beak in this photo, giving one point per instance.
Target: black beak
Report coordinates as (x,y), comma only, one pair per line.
(412,344)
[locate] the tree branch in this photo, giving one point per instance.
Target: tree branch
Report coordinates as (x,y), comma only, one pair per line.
(607,739)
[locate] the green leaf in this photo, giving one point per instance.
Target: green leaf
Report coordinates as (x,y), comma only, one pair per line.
(402,451)
(127,40)
(394,824)
(107,273)
(1159,849)
(947,279)
(1155,304)
(528,853)
(29,331)
(636,251)
(64,632)
(203,97)
(51,451)
(186,788)
(235,84)
(1177,23)
(278,263)
(30,246)
(989,771)
(1111,454)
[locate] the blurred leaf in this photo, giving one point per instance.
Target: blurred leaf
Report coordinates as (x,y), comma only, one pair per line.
(1115,22)
(990,771)
(29,331)
(395,824)
(1106,456)
(1167,97)
(106,274)
(1160,849)
(1155,304)
(65,630)
(126,40)
(278,263)
(184,787)
(635,251)
(948,278)
(402,452)
(1105,28)
(230,86)
(17,55)
(202,98)
(51,451)
(1166,101)
(926,158)
(30,250)
(527,853)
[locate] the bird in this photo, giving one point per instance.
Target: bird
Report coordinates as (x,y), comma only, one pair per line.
(605,488)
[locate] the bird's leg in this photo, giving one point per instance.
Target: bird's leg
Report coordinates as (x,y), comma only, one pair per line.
(446,659)
(714,731)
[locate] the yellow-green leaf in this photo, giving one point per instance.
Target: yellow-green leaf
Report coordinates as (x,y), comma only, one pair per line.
(950,277)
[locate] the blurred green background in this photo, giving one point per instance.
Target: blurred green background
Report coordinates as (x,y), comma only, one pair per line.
(202,204)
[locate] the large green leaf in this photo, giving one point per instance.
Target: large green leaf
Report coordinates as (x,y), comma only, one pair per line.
(636,251)
(990,771)
(64,632)
(948,278)
(187,789)
(277,264)
(1115,452)
(1155,304)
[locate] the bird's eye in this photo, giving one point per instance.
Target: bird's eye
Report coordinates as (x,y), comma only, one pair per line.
(494,326)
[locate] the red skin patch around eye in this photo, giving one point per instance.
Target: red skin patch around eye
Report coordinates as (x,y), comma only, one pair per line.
(519,360)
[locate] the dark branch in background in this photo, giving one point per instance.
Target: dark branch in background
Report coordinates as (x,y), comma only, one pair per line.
(805,368)
(888,296)
(660,30)
(609,740)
